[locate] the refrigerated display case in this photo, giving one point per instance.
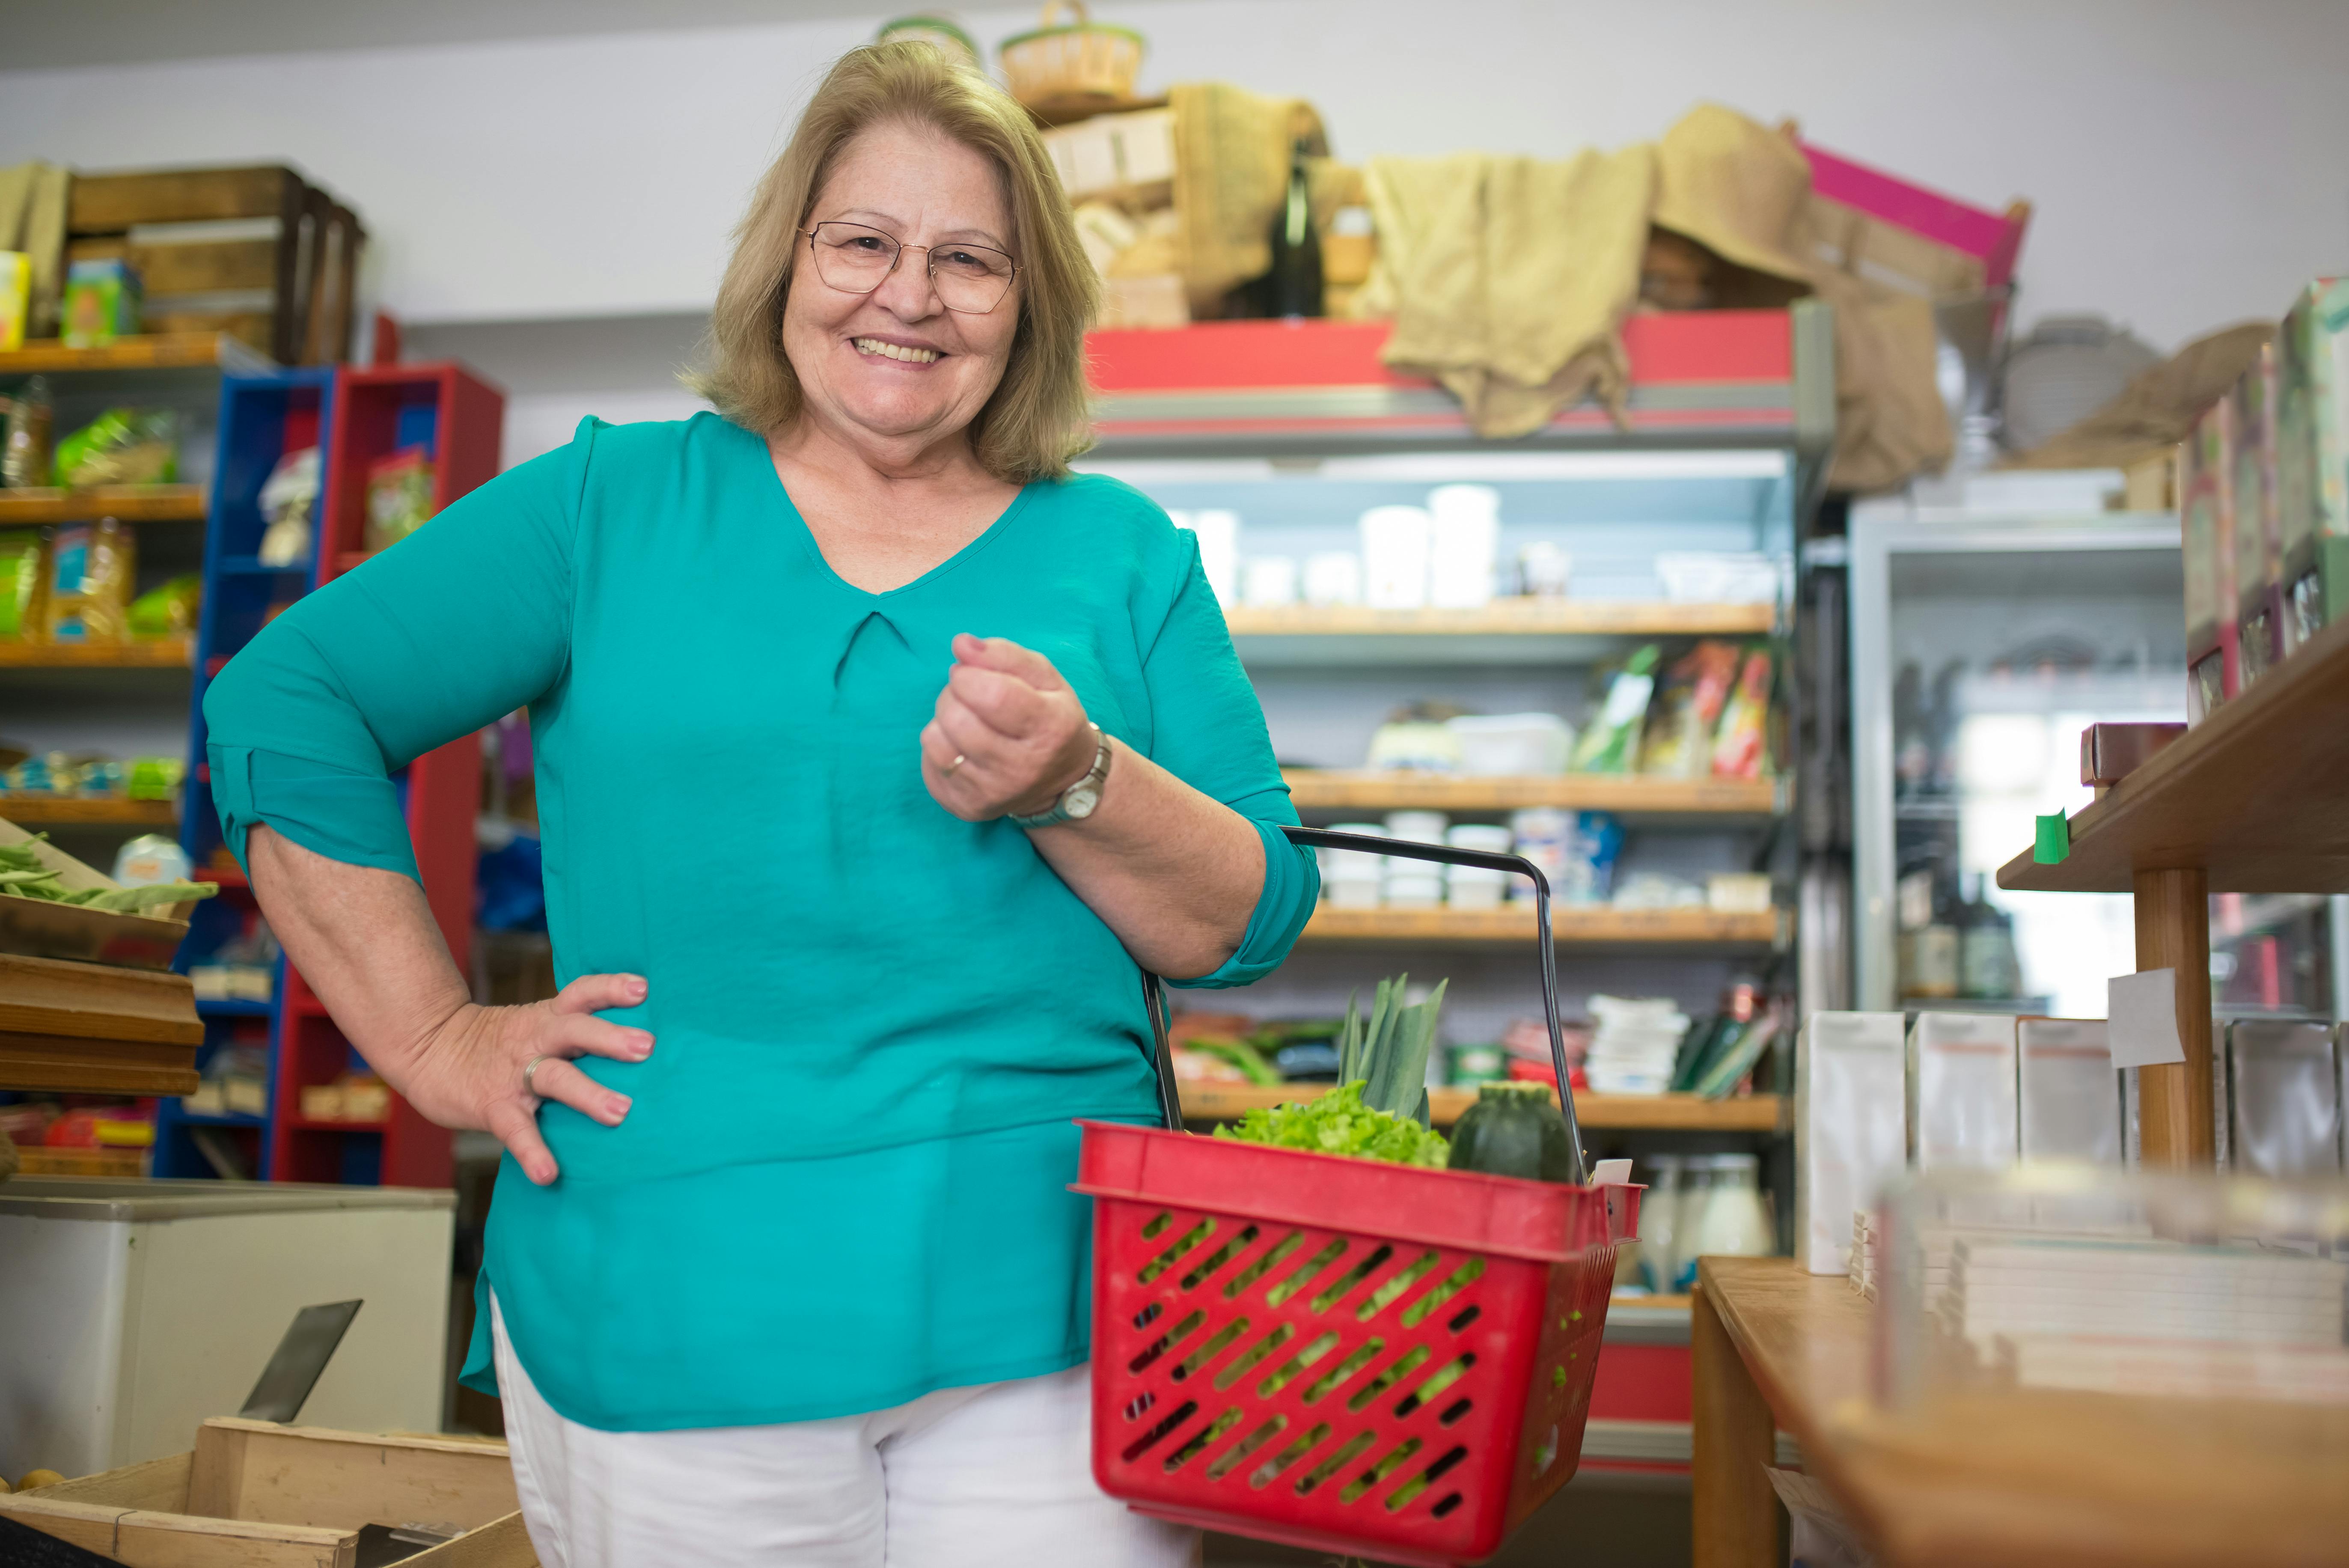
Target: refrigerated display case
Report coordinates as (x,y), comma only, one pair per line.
(1982,645)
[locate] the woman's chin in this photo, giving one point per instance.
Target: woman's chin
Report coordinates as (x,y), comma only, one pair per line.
(894,417)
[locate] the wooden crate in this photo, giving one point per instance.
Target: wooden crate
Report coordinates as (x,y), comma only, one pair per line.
(281,280)
(254,1494)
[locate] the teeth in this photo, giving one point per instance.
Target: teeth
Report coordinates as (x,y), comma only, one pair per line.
(891,351)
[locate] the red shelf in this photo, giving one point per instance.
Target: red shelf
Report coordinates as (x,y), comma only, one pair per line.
(320,1125)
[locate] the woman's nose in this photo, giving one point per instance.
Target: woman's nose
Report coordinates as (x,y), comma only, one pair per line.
(907,292)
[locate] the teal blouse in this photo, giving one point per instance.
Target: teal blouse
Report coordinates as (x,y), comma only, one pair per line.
(842,1181)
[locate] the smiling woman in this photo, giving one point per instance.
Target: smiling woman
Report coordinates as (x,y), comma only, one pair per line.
(784,1262)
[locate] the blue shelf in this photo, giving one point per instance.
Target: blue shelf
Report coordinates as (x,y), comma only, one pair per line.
(233,1007)
(254,566)
(226,1119)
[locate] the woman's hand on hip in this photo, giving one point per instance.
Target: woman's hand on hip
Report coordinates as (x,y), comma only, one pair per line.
(474,1071)
(1009,735)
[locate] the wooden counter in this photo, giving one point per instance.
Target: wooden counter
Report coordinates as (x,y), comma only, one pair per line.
(2027,1479)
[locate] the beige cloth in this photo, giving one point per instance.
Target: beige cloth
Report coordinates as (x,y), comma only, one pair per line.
(2158,408)
(1509,276)
(32,199)
(1232,149)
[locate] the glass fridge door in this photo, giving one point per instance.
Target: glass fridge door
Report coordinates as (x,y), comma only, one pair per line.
(1981,649)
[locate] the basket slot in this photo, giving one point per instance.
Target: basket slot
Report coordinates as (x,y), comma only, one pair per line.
(1329,1381)
(1286,1372)
(1396,1283)
(1143,1444)
(1265,1473)
(1262,1264)
(1334,1463)
(1199,1440)
(1141,1403)
(1464,1316)
(1239,1451)
(1148,1315)
(1446,1506)
(1346,1282)
(1442,1378)
(1452,1285)
(1396,1457)
(1183,1243)
(1406,1494)
(1303,1273)
(1155,1224)
(1216,1260)
(1405,1364)
(1209,1351)
(1165,1342)
(1282,1335)
(1452,1413)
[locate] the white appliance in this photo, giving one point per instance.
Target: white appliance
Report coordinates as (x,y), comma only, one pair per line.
(131,1311)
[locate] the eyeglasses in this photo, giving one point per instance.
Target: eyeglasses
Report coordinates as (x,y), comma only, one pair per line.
(970,280)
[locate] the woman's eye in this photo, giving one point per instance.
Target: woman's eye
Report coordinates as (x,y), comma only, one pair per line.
(864,243)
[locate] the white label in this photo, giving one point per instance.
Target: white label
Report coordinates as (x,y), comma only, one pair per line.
(2142,1012)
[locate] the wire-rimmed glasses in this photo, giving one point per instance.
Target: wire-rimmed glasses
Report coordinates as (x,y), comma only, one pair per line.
(856,258)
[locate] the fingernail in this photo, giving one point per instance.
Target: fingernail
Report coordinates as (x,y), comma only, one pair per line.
(638,989)
(619,1106)
(644,1046)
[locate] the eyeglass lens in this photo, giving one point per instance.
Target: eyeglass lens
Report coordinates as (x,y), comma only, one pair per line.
(856,259)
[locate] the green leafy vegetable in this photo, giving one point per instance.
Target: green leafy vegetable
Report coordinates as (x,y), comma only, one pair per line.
(1340,1123)
(1388,1056)
(24,874)
(1238,1053)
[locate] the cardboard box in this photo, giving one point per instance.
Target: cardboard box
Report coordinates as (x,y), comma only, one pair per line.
(2206,518)
(2259,546)
(1114,152)
(2312,458)
(259,1495)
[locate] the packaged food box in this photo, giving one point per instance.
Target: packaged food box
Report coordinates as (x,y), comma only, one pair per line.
(2313,457)
(2259,546)
(2207,519)
(101,303)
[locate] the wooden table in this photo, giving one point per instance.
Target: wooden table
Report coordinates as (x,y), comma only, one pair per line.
(2025,1478)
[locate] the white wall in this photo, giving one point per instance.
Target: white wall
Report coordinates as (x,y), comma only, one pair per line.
(2188,160)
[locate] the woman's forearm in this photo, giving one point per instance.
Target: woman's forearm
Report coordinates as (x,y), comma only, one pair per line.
(364,940)
(1174,873)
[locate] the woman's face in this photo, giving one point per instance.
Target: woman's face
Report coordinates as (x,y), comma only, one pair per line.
(896,364)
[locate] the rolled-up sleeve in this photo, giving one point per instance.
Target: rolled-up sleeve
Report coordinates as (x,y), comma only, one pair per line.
(466,620)
(1210,733)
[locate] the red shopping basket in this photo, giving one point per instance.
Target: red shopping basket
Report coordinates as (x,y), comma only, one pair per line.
(1343,1354)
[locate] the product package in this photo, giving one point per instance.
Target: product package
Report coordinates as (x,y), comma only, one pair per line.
(1850,1129)
(170,610)
(1683,718)
(1611,742)
(15,297)
(2313,457)
(2259,545)
(1577,850)
(288,496)
(2067,1091)
(399,497)
(92,568)
(1396,543)
(24,459)
(122,446)
(2205,483)
(23,584)
(2283,1098)
(1741,749)
(101,303)
(1960,1091)
(1464,545)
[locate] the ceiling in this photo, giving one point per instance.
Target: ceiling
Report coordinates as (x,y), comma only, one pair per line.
(45,35)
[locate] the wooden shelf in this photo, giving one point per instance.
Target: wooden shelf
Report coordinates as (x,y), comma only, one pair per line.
(2022,1477)
(164,653)
(1649,1113)
(126,502)
(2251,796)
(1630,794)
(64,811)
(1509,617)
(93,1029)
(154,351)
(1514,925)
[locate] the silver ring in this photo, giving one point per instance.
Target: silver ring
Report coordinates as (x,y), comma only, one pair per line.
(528,1068)
(959,760)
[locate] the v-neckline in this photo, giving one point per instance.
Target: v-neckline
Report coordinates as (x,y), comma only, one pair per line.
(808,542)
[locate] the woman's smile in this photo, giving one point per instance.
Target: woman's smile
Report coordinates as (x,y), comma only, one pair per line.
(897,350)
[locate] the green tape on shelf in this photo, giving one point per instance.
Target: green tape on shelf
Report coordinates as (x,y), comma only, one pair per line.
(2054,840)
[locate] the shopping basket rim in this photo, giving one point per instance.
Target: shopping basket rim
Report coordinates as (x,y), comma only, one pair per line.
(1473,1210)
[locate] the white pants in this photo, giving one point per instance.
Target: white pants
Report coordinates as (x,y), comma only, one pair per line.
(999,1476)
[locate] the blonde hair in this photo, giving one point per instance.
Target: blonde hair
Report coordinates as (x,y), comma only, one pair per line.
(1037,419)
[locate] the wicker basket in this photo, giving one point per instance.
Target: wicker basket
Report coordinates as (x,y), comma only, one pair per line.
(1061,61)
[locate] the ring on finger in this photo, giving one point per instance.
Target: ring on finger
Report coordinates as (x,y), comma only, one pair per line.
(959,760)
(530,1067)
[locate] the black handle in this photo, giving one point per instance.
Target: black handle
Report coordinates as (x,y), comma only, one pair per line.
(1154,994)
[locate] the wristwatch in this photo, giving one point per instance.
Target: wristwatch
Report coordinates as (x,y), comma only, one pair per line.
(1080,800)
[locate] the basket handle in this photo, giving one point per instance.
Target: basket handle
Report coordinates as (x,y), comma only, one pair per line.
(1153,993)
(1052,9)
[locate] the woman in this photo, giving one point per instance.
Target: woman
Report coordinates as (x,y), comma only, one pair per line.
(874,754)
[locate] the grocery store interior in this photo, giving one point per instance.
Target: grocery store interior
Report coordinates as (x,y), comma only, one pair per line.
(1814,534)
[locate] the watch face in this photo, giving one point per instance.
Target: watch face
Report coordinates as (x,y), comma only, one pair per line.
(1079,801)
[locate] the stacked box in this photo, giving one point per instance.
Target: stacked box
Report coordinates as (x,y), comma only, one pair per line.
(2205,483)
(2259,546)
(2312,458)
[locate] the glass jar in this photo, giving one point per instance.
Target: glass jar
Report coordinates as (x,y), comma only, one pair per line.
(1688,1214)
(1734,1224)
(1658,1221)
